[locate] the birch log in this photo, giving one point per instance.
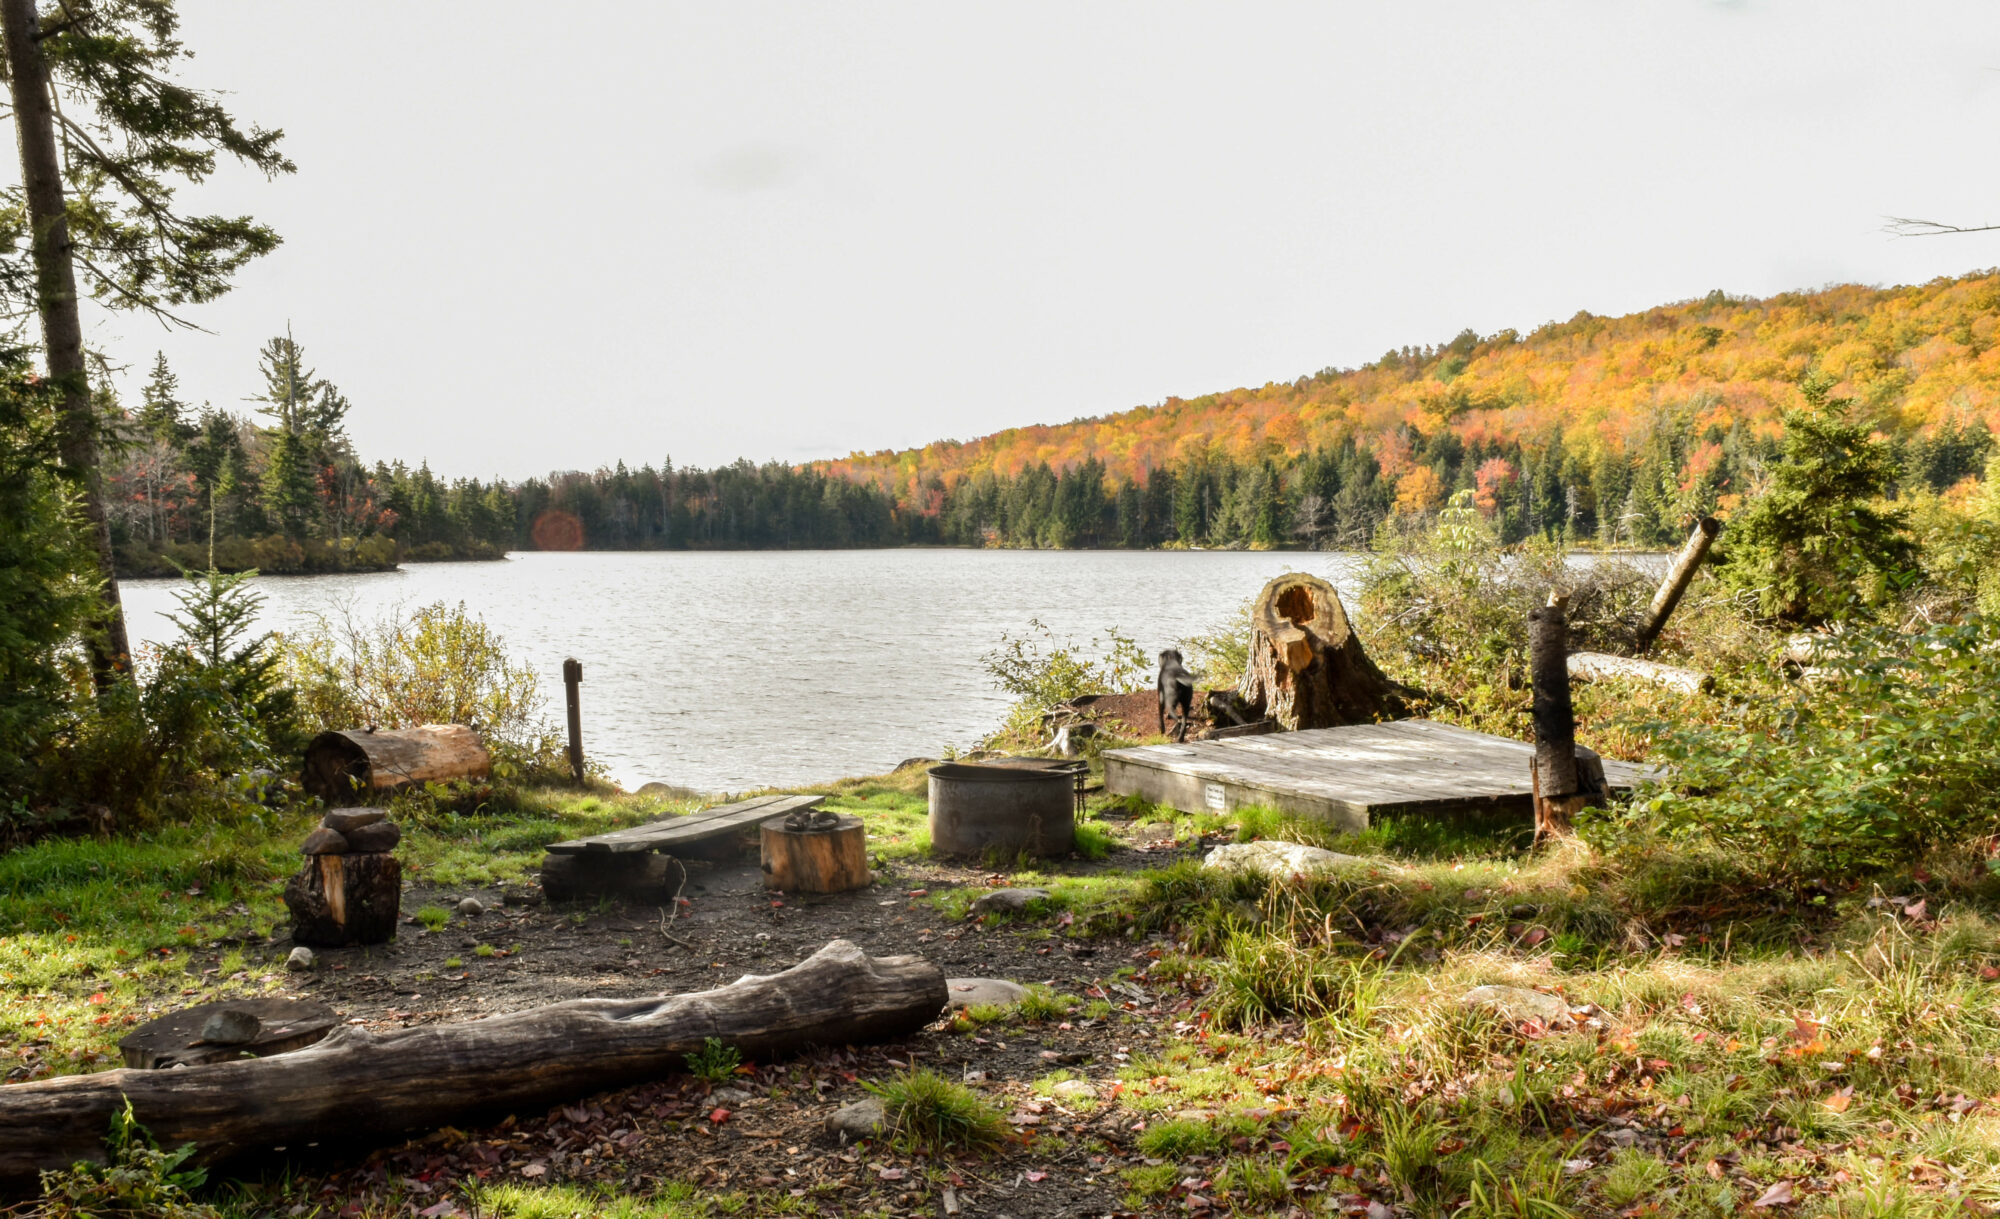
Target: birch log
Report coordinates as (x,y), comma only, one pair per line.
(1598,666)
(341,767)
(359,1084)
(1679,576)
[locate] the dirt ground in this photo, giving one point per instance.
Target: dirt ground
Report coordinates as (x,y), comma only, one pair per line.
(771,1143)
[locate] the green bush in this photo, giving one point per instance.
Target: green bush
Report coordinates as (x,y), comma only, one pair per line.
(1040,671)
(140,1181)
(1892,747)
(439,665)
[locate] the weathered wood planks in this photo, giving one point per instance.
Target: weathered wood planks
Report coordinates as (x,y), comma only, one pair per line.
(684,831)
(1343,775)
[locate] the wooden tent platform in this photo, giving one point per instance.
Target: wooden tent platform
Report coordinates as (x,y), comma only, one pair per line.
(1344,775)
(678,833)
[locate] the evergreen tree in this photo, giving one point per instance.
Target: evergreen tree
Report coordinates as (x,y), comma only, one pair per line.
(161,411)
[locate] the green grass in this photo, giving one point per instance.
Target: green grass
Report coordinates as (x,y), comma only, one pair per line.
(434,918)
(924,1111)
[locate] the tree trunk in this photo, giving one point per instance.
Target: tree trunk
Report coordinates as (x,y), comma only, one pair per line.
(1597,666)
(343,766)
(1558,790)
(338,900)
(1679,576)
(62,324)
(359,1085)
(1307,668)
(832,860)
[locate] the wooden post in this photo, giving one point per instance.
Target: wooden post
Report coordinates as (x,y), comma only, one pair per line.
(1557,787)
(572,678)
(1679,576)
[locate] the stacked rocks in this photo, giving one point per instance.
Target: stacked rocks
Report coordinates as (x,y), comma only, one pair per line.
(350,889)
(352,831)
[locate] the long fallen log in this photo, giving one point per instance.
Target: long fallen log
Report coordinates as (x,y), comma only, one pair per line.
(1598,666)
(361,1084)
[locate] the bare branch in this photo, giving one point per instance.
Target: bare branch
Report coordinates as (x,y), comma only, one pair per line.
(1904,226)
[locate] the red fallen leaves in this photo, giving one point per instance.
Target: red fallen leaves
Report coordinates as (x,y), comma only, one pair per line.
(718,1115)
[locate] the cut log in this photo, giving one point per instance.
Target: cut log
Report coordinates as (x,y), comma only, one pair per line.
(338,900)
(832,860)
(1598,666)
(1679,576)
(177,1039)
(358,1084)
(1307,668)
(1557,781)
(358,764)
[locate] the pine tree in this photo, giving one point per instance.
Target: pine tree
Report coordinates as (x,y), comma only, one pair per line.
(161,411)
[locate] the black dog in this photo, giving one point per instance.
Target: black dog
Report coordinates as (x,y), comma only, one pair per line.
(1176,693)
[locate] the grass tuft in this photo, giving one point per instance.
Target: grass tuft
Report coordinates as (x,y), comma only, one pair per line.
(923,1111)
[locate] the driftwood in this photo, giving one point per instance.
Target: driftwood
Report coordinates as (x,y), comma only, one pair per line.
(359,1084)
(829,860)
(1307,668)
(1598,666)
(359,763)
(1679,576)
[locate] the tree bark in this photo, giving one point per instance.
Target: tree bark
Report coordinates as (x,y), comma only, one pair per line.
(1557,789)
(359,1085)
(832,860)
(109,647)
(1597,666)
(1307,668)
(1678,578)
(356,764)
(338,900)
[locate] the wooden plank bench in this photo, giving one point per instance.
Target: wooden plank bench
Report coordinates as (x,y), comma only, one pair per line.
(641,864)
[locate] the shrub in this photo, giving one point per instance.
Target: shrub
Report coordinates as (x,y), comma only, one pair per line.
(714,1062)
(1892,748)
(140,1181)
(440,664)
(1040,671)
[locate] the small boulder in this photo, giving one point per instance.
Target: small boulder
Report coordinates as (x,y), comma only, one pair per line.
(983,992)
(1074,1089)
(323,841)
(471,906)
(1518,1004)
(1282,859)
(341,820)
(376,838)
(729,1096)
(300,960)
(231,1026)
(1011,901)
(861,1120)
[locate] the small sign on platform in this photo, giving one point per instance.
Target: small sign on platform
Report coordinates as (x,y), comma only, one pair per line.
(1216,797)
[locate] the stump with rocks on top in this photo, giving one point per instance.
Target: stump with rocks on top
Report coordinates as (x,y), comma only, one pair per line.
(1307,667)
(814,852)
(350,890)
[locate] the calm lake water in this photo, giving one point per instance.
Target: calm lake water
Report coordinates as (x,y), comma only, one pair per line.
(729,671)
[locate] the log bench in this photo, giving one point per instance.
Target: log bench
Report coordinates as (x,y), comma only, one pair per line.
(643,863)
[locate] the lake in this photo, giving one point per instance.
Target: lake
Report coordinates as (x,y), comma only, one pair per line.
(734,670)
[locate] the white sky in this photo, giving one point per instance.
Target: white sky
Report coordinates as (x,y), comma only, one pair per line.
(527,237)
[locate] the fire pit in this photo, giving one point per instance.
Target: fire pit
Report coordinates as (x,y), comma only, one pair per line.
(1025,804)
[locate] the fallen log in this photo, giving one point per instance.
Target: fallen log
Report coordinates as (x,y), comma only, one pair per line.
(1679,576)
(359,1083)
(1307,667)
(341,767)
(1599,666)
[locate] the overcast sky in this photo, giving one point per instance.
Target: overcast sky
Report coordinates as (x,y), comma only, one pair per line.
(527,237)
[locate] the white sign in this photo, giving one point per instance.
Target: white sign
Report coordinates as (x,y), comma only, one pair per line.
(1215,797)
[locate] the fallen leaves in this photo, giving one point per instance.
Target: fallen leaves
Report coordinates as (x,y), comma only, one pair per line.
(1779,1194)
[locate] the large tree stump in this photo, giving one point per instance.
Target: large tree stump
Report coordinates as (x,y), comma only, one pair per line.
(362,1085)
(341,767)
(1307,668)
(831,860)
(338,900)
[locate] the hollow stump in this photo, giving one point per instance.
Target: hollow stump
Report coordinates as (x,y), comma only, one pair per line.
(832,860)
(338,900)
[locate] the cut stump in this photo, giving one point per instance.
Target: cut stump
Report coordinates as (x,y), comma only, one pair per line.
(176,1039)
(1307,668)
(832,860)
(338,900)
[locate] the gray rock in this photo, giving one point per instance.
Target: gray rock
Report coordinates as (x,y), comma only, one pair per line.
(861,1120)
(1012,901)
(729,1096)
(1282,859)
(981,992)
(231,1026)
(1074,1089)
(381,836)
(323,841)
(472,905)
(1519,1004)
(301,959)
(341,820)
